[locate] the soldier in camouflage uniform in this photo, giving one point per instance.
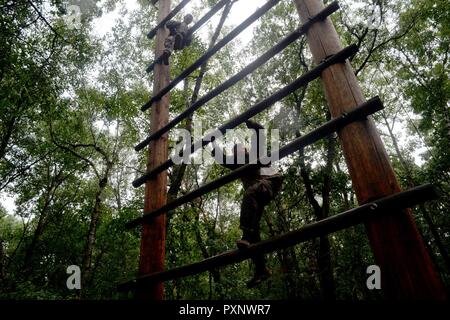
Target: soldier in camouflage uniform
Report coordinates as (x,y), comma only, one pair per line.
(261,185)
(179,37)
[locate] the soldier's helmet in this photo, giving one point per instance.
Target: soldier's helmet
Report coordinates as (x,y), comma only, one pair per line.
(188,18)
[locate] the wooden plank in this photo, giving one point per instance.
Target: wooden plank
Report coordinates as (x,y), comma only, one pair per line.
(153,238)
(381,207)
(407,271)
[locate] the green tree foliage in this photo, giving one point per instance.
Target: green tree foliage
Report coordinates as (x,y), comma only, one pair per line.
(70,115)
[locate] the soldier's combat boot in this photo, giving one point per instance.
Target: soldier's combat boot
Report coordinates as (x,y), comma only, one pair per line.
(246,240)
(259,277)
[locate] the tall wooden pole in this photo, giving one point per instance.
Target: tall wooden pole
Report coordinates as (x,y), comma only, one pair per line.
(153,239)
(406,268)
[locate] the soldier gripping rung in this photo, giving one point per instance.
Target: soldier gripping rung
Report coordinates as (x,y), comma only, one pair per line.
(280,46)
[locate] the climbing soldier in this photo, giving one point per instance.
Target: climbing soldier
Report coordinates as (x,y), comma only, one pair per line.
(261,185)
(179,37)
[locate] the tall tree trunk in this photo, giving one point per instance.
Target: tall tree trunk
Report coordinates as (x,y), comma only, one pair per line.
(51,189)
(86,270)
(102,178)
(29,253)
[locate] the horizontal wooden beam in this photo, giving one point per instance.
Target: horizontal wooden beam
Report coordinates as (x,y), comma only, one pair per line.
(384,206)
(228,38)
(326,129)
(303,80)
(280,46)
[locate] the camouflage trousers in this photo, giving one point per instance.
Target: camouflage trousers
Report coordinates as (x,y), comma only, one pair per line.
(256,197)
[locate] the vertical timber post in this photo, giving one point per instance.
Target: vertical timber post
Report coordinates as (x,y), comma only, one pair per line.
(406,268)
(153,237)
